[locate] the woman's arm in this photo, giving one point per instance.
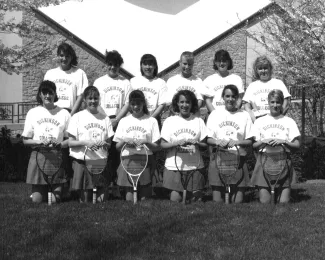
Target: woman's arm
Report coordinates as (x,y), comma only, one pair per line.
(28,141)
(77,105)
(208,102)
(247,107)
(286,105)
(158,111)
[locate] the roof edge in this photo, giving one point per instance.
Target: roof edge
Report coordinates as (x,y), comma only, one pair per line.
(75,39)
(251,20)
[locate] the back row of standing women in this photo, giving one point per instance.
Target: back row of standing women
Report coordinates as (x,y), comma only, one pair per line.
(228,124)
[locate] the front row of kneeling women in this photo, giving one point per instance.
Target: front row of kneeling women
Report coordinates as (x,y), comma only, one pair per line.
(226,127)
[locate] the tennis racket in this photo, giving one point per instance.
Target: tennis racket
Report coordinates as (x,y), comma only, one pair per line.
(134,161)
(227,164)
(96,167)
(275,166)
(49,161)
(185,155)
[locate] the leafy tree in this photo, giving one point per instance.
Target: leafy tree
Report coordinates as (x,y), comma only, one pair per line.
(294,32)
(34,33)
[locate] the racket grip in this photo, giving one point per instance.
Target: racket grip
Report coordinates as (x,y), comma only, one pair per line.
(94,195)
(49,198)
(227,197)
(184,197)
(135,197)
(272,197)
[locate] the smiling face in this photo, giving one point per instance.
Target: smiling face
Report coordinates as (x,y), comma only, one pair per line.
(264,71)
(113,69)
(275,104)
(136,106)
(230,99)
(184,106)
(222,65)
(92,102)
(148,67)
(186,65)
(47,96)
(65,61)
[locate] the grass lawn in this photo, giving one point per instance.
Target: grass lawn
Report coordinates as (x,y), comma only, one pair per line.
(159,229)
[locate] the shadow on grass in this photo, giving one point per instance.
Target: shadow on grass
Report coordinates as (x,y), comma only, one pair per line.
(299,195)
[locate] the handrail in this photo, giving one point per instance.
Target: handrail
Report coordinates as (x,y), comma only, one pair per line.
(15,112)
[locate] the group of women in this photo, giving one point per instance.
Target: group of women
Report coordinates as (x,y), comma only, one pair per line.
(118,111)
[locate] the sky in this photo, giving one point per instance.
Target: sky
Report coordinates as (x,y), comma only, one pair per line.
(164,28)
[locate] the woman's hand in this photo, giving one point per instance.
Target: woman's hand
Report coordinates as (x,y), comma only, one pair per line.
(232,143)
(222,143)
(276,142)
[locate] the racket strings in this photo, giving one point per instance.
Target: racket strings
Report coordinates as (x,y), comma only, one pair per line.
(275,164)
(49,161)
(227,163)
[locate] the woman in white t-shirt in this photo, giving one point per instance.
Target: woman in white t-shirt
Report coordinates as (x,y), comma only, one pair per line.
(69,79)
(256,95)
(141,126)
(215,83)
(45,125)
(183,129)
(90,129)
(153,88)
(274,129)
(227,127)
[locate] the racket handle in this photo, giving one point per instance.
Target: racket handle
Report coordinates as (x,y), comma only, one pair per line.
(184,197)
(227,197)
(49,198)
(94,195)
(135,197)
(272,197)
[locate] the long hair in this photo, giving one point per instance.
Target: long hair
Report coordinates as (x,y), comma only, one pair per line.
(69,51)
(46,86)
(149,57)
(137,95)
(222,55)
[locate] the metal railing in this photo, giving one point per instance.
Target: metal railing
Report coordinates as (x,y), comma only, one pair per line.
(15,112)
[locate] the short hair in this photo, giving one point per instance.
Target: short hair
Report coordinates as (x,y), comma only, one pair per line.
(90,90)
(149,57)
(233,89)
(137,95)
(222,55)
(114,57)
(187,54)
(276,93)
(69,51)
(46,86)
(188,95)
(259,61)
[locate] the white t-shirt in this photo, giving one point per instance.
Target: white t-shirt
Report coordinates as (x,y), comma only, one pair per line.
(43,124)
(154,90)
(177,128)
(257,92)
(114,93)
(269,127)
(144,128)
(215,84)
(223,124)
(178,82)
(69,85)
(87,126)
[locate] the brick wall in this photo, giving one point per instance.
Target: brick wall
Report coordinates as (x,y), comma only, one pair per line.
(34,75)
(235,44)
